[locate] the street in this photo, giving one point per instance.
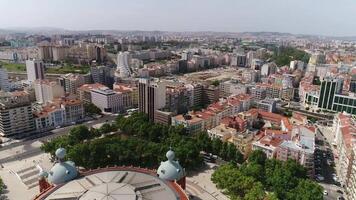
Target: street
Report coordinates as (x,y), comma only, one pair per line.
(325,164)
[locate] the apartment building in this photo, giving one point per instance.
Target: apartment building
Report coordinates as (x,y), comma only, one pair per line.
(16,117)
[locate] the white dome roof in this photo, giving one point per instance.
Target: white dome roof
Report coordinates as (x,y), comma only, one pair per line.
(170,170)
(60,153)
(62,172)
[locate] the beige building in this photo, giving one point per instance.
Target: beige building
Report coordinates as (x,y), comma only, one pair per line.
(345,137)
(222,132)
(71,82)
(46,91)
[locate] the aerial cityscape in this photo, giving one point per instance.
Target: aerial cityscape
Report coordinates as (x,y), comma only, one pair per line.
(177,100)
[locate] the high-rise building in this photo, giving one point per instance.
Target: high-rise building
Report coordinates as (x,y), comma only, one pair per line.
(250,56)
(182,66)
(187,56)
(35,70)
(317,58)
(16,118)
(268,69)
(45,51)
(71,82)
(329,87)
(4,80)
(152,96)
(123,64)
(239,60)
(46,91)
(59,53)
(103,75)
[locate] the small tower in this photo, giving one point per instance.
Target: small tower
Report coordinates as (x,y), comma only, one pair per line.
(63,171)
(171,170)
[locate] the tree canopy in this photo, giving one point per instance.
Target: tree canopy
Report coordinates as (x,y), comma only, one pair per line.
(284,55)
(138,142)
(259,178)
(92,109)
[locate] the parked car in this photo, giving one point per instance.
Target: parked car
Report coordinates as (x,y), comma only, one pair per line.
(325,192)
(320,177)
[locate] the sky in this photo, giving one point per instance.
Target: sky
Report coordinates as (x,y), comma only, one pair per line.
(318,17)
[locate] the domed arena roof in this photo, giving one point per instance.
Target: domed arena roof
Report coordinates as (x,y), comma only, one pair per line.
(116,183)
(170,170)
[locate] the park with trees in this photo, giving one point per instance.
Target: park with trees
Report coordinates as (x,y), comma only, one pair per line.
(259,178)
(138,142)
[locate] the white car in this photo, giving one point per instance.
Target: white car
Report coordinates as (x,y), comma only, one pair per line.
(325,192)
(320,178)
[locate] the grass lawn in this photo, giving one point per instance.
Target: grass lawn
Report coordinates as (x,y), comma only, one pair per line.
(18,67)
(13,67)
(69,69)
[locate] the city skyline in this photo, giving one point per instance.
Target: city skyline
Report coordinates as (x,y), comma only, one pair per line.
(318,17)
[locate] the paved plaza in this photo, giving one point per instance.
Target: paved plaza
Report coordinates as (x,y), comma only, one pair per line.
(200,186)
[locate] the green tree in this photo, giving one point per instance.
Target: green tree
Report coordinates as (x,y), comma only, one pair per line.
(259,178)
(107,128)
(91,109)
(78,134)
(257,192)
(258,157)
(216,83)
(2,186)
(306,190)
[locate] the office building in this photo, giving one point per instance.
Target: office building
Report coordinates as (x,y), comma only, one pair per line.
(84,91)
(329,87)
(152,96)
(35,70)
(107,100)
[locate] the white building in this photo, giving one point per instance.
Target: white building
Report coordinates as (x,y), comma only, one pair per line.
(35,70)
(4,80)
(123,64)
(46,91)
(268,69)
(50,117)
(107,100)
